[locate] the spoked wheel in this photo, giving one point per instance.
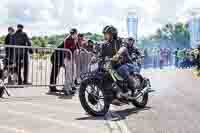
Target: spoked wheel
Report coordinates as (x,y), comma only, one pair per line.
(93,99)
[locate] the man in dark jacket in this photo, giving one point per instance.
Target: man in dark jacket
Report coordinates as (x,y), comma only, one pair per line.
(57,61)
(112,44)
(22,54)
(57,58)
(9,40)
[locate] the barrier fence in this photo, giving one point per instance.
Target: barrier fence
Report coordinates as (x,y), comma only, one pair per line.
(44,67)
(29,66)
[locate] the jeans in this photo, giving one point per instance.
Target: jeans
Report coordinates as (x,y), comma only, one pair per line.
(126,69)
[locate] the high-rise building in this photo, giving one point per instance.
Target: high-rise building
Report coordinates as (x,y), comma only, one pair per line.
(194,28)
(132,25)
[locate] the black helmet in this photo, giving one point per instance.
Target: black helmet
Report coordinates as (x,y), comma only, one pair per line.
(131,39)
(20,26)
(73,30)
(111,29)
(90,41)
(105,29)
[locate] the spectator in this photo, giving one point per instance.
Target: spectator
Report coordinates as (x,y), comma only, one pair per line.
(176,57)
(155,57)
(90,46)
(82,43)
(169,59)
(22,54)
(71,43)
(9,40)
(81,57)
(58,61)
(182,57)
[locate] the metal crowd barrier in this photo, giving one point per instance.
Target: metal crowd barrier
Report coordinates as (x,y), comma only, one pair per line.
(30,66)
(35,67)
(82,61)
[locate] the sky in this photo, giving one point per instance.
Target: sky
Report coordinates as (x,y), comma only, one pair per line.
(43,17)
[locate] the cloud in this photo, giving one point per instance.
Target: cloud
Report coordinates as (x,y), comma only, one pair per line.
(57,16)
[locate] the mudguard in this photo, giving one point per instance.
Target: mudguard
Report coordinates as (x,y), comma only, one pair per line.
(92,76)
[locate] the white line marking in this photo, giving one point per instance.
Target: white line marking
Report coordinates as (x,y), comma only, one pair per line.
(116,126)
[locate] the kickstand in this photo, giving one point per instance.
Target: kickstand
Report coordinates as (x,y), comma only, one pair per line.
(5,89)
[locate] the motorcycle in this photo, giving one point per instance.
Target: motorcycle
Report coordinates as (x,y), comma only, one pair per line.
(98,89)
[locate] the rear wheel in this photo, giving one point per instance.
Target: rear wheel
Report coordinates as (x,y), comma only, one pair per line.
(142,101)
(93,99)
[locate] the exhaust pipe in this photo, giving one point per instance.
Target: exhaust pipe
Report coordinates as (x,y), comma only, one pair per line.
(145,90)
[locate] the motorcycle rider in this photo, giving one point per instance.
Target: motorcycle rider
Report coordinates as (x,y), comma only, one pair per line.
(132,48)
(112,44)
(134,52)
(111,49)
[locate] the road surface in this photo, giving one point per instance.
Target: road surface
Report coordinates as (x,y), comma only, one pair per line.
(173,108)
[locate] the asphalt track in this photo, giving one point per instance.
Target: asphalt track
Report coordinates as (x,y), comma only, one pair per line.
(173,108)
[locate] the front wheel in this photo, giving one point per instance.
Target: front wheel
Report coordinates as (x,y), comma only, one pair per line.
(93,99)
(142,101)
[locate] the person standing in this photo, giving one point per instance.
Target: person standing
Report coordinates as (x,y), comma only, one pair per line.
(22,54)
(9,40)
(176,57)
(84,56)
(63,59)
(57,61)
(71,43)
(80,57)
(162,58)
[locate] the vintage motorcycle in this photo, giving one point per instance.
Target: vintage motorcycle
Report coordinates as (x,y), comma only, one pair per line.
(98,89)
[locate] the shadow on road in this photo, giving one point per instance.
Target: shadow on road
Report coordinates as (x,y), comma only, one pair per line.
(127,112)
(60,95)
(116,115)
(90,118)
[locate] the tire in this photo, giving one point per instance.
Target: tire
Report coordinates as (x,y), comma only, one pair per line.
(143,103)
(1,92)
(85,104)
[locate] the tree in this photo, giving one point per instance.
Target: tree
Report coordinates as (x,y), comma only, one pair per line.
(36,42)
(2,39)
(177,33)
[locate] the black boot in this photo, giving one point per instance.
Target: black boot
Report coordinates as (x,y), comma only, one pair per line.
(52,89)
